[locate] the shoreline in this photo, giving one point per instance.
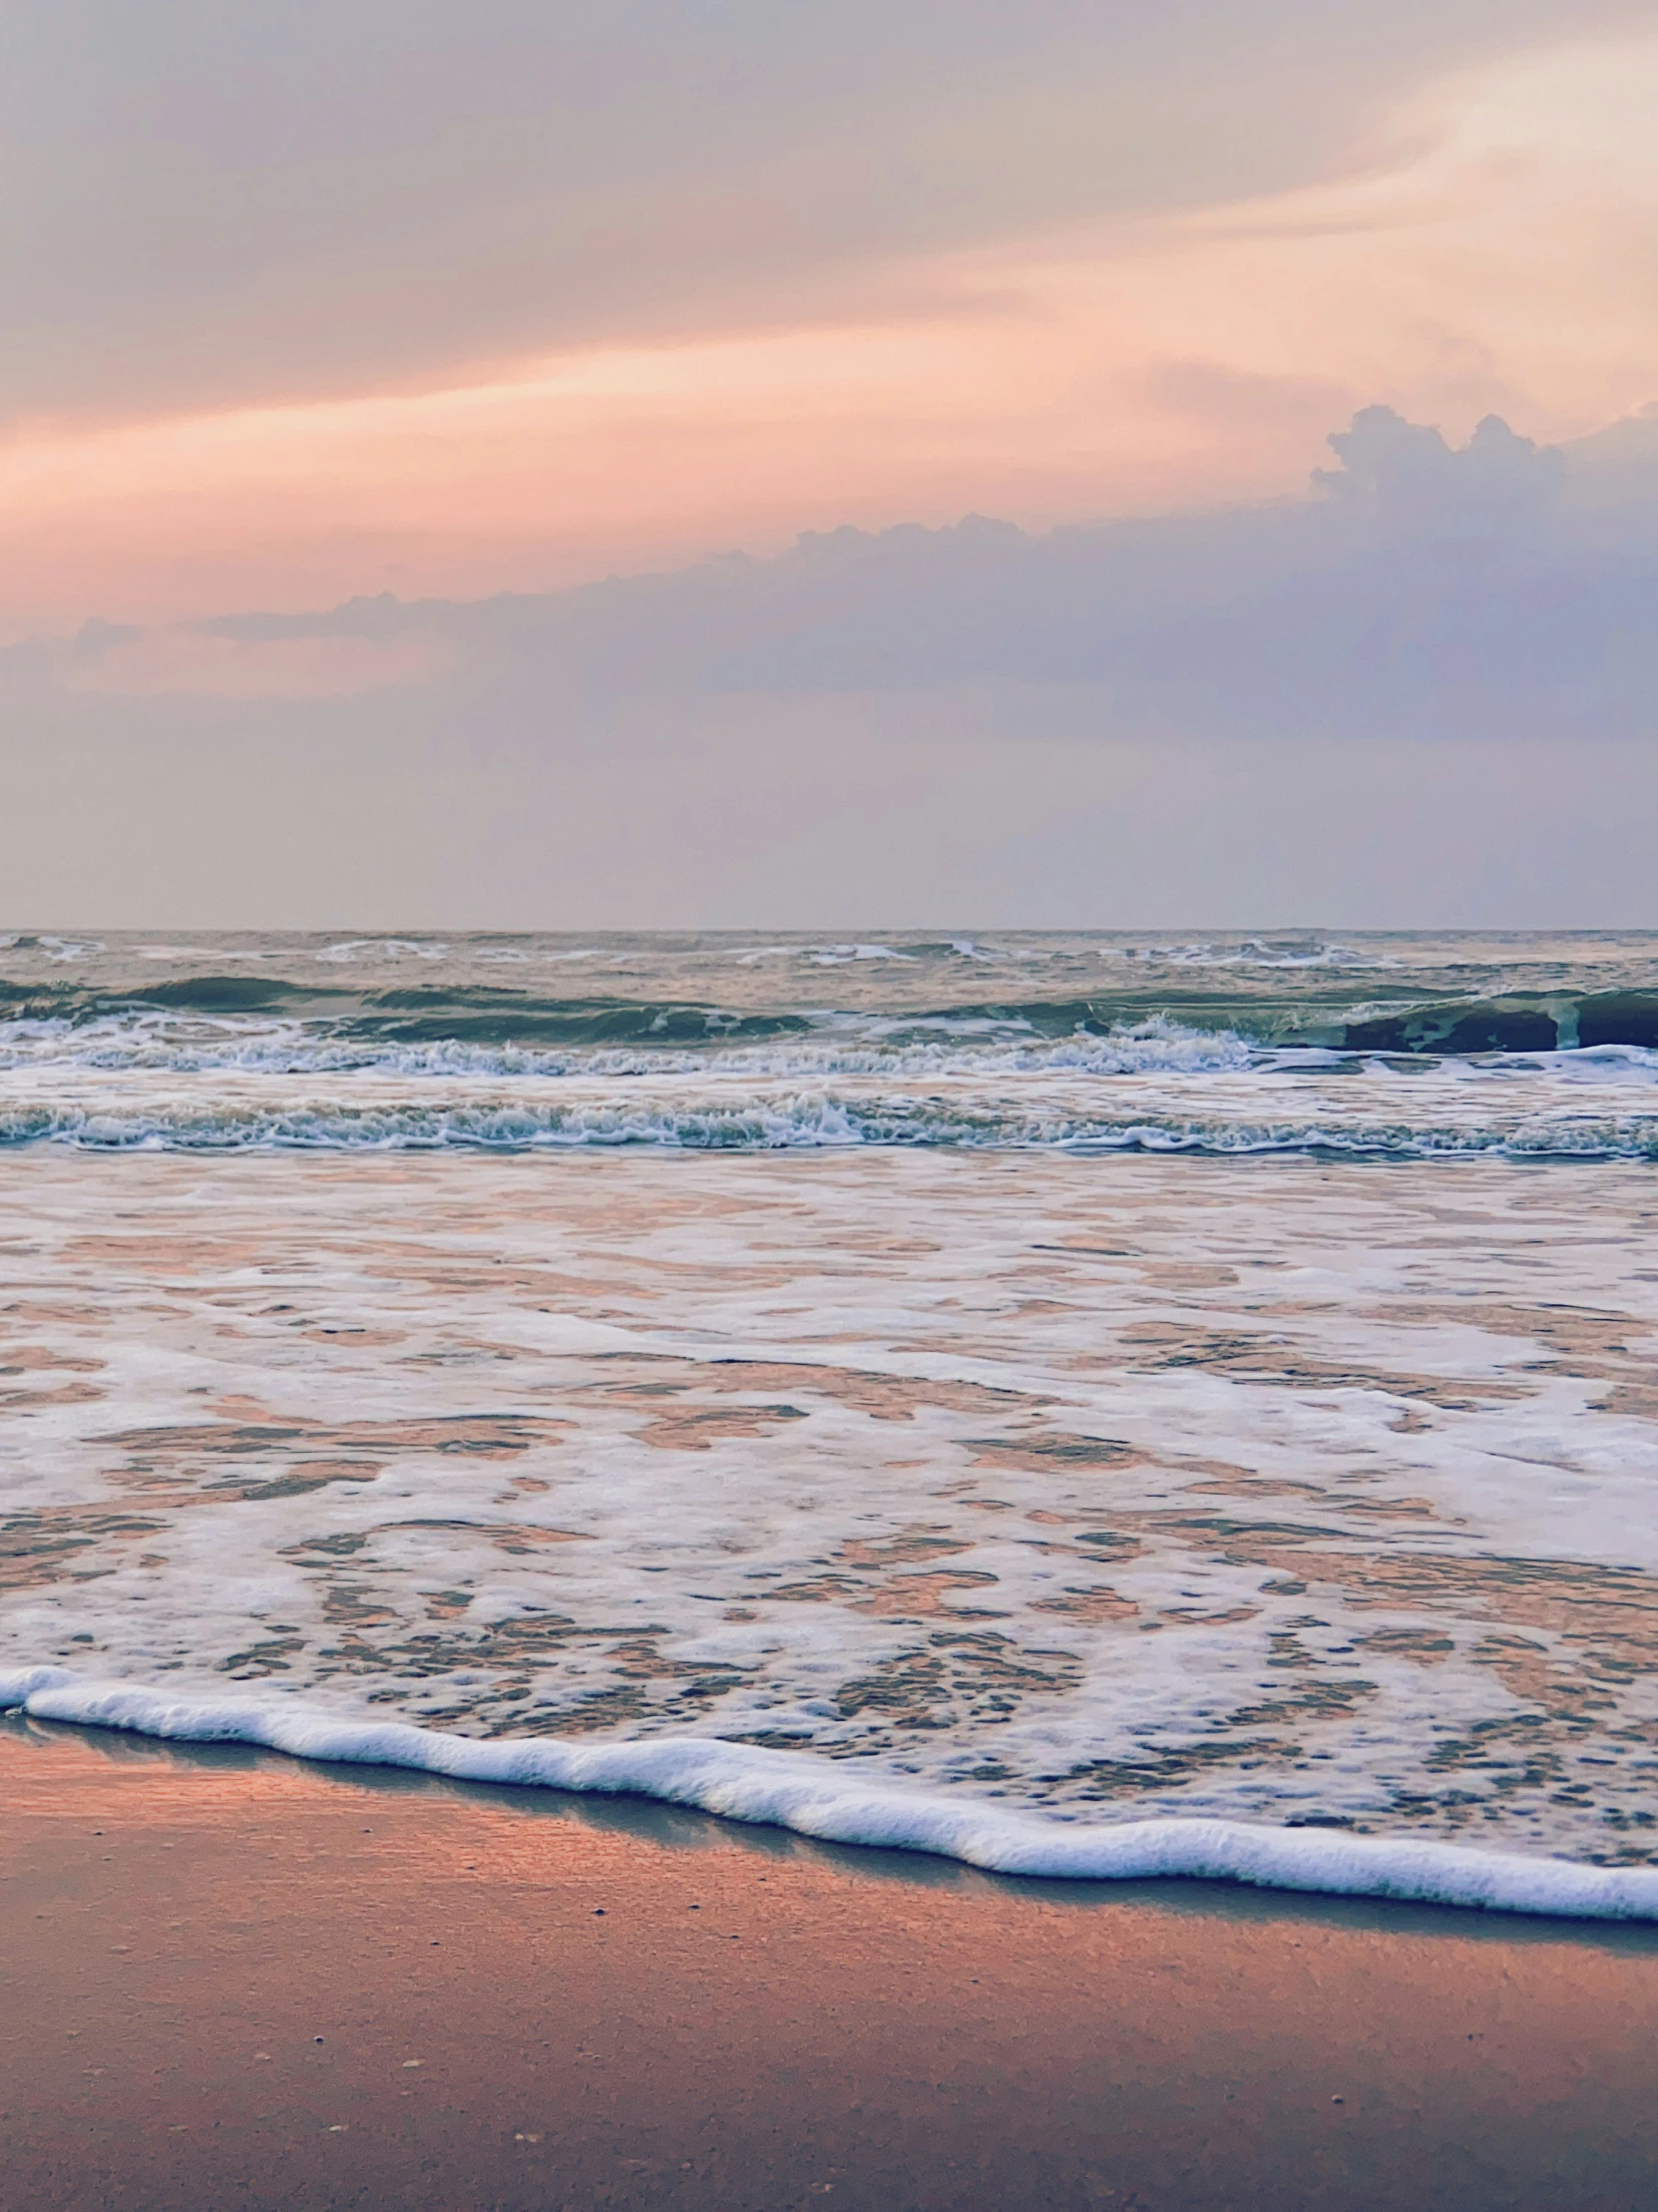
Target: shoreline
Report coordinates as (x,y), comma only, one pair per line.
(235,1979)
(813,1797)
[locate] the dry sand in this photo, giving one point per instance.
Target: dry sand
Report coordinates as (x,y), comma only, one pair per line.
(227,1981)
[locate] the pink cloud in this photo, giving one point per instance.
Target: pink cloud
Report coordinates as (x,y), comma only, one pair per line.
(1123,365)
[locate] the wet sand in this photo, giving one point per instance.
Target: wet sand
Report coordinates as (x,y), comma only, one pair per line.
(228,1979)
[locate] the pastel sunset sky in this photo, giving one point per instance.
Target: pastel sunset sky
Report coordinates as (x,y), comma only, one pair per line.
(333,301)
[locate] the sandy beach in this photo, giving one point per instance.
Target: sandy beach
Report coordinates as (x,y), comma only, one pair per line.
(230,1980)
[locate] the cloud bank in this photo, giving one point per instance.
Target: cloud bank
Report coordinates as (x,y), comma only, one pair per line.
(1489,590)
(1424,692)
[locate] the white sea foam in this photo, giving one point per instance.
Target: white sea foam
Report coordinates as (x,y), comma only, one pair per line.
(385,948)
(815,1798)
(1081,1489)
(1255,951)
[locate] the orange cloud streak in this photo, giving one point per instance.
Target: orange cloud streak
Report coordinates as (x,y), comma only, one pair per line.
(1507,265)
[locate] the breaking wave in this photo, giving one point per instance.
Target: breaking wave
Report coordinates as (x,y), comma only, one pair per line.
(210,1020)
(786,1121)
(958,1045)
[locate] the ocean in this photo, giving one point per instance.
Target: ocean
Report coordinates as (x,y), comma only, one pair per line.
(1087,1404)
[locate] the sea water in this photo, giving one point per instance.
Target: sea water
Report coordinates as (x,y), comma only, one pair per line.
(1091,1405)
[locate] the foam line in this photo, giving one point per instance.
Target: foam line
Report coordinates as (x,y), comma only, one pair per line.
(817,1797)
(762,1123)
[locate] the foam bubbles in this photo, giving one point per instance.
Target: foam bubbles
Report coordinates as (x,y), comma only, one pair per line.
(1094,1490)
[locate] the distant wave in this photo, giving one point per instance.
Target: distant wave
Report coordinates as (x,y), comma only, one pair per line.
(205,1017)
(849,1045)
(1238,952)
(822,1798)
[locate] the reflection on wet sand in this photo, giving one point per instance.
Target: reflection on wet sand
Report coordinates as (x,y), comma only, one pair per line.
(258,1984)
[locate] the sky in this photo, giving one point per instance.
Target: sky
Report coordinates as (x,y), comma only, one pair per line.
(510,464)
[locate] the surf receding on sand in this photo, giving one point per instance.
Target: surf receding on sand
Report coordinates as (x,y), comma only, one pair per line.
(810,1797)
(1085,1491)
